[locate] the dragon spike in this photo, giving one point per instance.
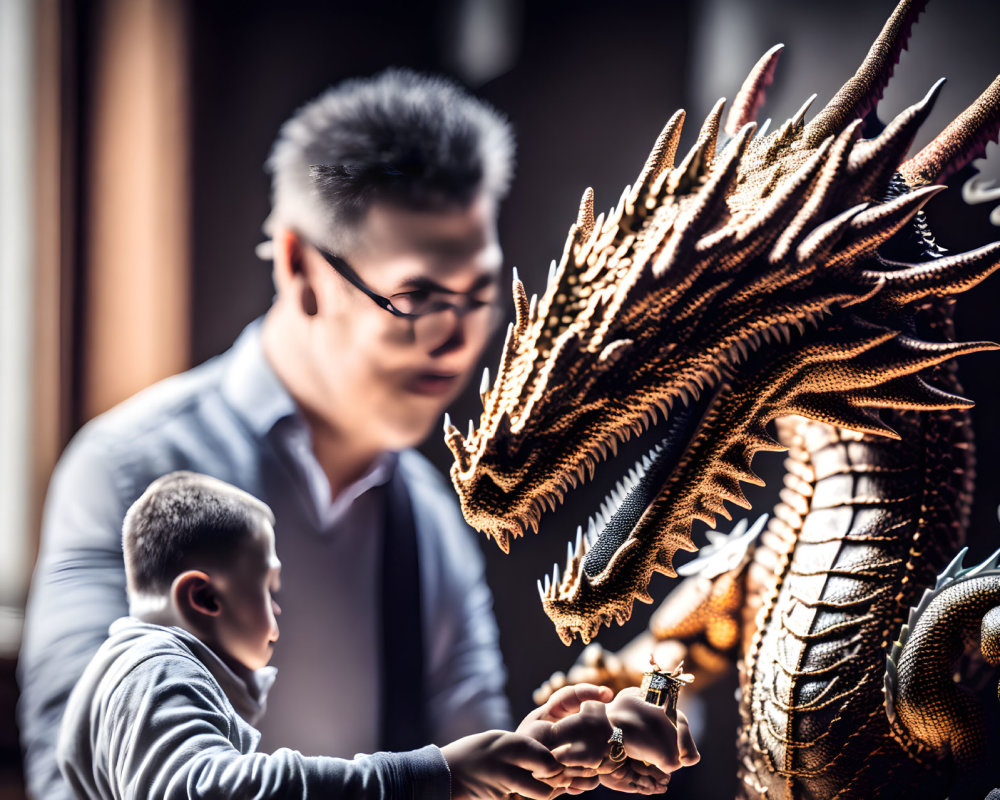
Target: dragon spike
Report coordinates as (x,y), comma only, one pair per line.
(876,224)
(952,570)
(484,384)
(830,175)
(792,126)
(785,200)
(817,244)
(910,392)
(841,413)
(872,163)
(661,158)
(698,160)
(800,115)
(708,201)
(585,216)
(963,140)
(751,95)
(944,276)
(453,439)
(862,92)
(521,312)
(986,566)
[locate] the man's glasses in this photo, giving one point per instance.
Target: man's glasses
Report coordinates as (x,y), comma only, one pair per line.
(408,305)
(422,307)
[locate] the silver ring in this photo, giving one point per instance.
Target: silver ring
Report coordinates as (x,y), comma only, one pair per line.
(617,741)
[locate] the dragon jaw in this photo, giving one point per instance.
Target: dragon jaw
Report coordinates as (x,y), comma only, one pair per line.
(741,285)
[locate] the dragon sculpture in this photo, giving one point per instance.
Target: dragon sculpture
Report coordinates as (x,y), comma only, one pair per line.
(772,291)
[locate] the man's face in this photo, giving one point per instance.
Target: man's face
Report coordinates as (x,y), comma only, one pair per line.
(247,628)
(387,380)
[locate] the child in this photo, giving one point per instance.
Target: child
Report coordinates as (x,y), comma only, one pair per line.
(166,707)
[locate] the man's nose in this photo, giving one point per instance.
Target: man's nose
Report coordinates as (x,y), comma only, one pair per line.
(449,334)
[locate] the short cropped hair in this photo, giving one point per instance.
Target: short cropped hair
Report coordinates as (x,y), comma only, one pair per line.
(414,140)
(180,517)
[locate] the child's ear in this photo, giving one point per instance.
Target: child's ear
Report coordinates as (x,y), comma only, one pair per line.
(194,594)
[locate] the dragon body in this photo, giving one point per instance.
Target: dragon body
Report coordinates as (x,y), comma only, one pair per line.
(770,291)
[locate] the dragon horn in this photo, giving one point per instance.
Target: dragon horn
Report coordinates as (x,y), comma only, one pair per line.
(751,94)
(863,91)
(963,140)
(873,162)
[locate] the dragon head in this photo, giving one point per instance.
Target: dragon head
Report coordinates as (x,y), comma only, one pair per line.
(746,282)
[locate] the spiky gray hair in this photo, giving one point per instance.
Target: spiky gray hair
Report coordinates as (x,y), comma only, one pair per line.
(415,140)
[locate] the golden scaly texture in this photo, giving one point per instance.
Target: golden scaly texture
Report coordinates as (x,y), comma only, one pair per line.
(745,281)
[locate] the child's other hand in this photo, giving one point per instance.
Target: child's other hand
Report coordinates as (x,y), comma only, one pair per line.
(497,763)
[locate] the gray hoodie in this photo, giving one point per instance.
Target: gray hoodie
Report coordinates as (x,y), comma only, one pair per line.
(157,714)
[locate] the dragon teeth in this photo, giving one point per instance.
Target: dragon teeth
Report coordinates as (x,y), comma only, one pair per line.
(484,384)
(541,591)
(555,574)
(548,584)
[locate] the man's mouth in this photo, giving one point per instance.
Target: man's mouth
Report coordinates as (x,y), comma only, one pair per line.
(432,383)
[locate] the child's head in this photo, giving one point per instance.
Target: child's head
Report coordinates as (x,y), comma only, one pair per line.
(199,553)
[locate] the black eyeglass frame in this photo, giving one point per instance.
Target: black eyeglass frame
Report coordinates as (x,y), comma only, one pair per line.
(342,268)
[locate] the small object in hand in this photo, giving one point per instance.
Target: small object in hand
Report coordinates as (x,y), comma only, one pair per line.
(661,688)
(617,741)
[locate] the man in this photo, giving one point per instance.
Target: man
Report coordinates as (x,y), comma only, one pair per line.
(387,271)
(313,410)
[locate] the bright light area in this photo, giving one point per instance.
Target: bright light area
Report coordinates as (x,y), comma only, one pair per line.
(16,303)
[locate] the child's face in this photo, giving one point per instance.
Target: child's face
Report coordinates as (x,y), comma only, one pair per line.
(246,628)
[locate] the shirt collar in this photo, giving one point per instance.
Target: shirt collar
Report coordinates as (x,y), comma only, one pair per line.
(253,390)
(251,387)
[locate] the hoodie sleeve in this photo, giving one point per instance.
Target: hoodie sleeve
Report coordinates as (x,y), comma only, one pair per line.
(169,734)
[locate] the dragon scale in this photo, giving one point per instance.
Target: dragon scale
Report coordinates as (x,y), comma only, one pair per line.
(863,526)
(769,291)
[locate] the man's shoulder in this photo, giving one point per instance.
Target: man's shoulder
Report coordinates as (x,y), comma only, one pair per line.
(148,413)
(182,422)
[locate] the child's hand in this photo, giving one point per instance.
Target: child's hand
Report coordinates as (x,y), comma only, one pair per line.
(497,763)
(562,704)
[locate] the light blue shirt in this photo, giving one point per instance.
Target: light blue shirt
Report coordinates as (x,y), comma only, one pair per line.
(233,419)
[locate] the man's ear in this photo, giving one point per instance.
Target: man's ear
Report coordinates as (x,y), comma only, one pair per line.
(292,276)
(195,595)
